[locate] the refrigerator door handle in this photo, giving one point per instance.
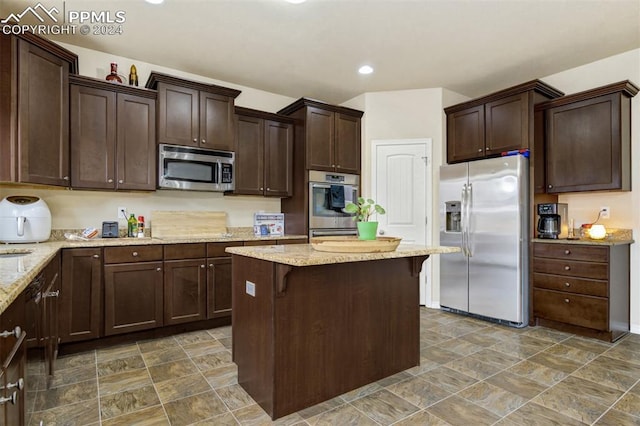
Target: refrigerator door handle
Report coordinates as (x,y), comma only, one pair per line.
(468,219)
(463,202)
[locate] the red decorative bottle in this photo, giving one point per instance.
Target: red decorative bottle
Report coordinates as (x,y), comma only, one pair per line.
(114,77)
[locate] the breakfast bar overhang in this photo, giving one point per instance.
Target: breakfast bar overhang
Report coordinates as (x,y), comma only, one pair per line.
(308,325)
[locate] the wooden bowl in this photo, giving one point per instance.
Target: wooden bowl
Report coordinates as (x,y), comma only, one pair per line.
(354,245)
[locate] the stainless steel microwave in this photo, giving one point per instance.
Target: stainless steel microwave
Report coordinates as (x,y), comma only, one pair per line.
(195,169)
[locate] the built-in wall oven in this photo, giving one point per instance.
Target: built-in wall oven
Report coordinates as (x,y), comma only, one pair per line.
(328,194)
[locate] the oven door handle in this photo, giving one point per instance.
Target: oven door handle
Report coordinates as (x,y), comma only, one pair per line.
(320,185)
(219,181)
(330,233)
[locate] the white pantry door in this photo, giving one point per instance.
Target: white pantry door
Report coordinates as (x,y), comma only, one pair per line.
(400,178)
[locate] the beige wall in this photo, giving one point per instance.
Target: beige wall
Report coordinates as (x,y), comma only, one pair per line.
(80,209)
(625,206)
(408,114)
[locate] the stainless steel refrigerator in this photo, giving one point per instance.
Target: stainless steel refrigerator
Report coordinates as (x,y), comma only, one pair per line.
(485,211)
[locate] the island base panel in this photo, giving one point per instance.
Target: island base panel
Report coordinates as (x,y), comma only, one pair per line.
(312,333)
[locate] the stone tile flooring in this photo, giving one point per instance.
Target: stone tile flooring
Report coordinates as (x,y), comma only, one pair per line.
(471,373)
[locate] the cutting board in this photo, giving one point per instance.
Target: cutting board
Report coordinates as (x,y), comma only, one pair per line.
(188,224)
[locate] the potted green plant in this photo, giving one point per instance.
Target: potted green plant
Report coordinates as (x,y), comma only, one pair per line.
(363,210)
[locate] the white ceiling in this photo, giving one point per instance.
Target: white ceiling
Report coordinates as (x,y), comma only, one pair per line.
(313,49)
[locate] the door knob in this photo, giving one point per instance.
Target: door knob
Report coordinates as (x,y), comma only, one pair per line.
(381,232)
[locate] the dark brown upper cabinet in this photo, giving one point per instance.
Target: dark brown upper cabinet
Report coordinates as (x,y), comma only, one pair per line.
(588,139)
(264,153)
(34,110)
(113,135)
(502,121)
(194,114)
(330,135)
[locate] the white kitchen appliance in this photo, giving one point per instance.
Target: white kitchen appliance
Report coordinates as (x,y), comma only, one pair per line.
(24,219)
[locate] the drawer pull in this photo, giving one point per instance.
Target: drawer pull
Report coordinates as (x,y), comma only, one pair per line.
(566,300)
(211,265)
(202,266)
(158,269)
(17,384)
(567,252)
(567,268)
(15,332)
(567,285)
(134,254)
(12,399)
(96,256)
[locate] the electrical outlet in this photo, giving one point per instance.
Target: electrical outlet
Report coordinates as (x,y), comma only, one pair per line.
(605,212)
(122,213)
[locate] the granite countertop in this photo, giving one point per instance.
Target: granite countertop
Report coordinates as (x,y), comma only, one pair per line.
(305,255)
(585,241)
(17,272)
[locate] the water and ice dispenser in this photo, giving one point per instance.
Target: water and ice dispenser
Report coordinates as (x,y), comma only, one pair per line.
(453,216)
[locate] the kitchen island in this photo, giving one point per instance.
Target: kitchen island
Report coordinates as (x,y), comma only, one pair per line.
(310,325)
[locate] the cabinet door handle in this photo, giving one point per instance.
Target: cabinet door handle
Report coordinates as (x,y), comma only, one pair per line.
(15,332)
(134,254)
(96,256)
(120,181)
(38,297)
(17,384)
(566,300)
(567,252)
(202,266)
(204,141)
(550,186)
(65,178)
(109,180)
(268,189)
(211,265)
(567,285)
(12,399)
(567,268)
(487,149)
(195,140)
(51,294)
(480,150)
(158,269)
(262,189)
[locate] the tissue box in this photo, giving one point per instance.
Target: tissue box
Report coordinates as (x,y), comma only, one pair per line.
(268,224)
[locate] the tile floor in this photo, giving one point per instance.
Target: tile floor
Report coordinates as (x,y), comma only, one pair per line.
(471,373)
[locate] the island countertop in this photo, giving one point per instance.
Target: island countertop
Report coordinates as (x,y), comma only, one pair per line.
(305,255)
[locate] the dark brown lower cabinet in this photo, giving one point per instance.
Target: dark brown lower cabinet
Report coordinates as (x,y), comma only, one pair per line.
(80,298)
(132,288)
(582,289)
(185,291)
(219,279)
(219,287)
(13,356)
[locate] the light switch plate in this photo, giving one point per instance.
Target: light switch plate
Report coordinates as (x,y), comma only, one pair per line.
(250,288)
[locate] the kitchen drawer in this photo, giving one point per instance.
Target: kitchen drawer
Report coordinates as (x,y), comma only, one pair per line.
(571,252)
(130,254)
(584,311)
(217,249)
(292,241)
(571,284)
(571,268)
(185,251)
(261,243)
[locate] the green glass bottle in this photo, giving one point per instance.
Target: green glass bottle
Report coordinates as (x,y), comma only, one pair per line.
(132,226)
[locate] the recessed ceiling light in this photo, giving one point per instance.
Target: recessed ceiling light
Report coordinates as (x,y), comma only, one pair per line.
(154,1)
(296,1)
(365,69)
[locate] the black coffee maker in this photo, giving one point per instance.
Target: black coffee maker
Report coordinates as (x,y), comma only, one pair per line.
(552,220)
